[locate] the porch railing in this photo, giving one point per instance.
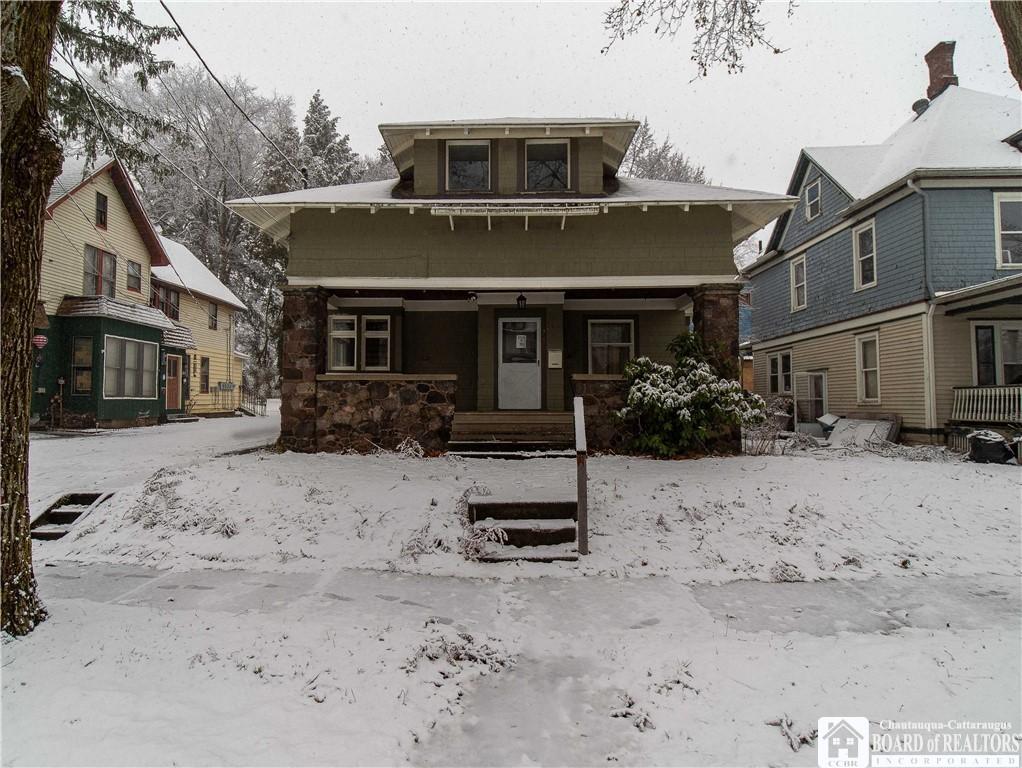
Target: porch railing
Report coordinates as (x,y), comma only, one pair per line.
(988,405)
(582,480)
(251,401)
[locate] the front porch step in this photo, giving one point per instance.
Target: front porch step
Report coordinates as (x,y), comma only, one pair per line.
(526,427)
(504,449)
(532,532)
(498,553)
(483,507)
(513,455)
(175,418)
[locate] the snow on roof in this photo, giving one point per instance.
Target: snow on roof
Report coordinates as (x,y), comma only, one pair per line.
(512,121)
(180,337)
(75,171)
(186,271)
(961,130)
(752,209)
(104,306)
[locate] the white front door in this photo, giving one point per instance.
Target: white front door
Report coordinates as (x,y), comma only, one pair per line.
(519,372)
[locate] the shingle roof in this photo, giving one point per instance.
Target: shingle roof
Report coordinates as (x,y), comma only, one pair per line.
(104,306)
(75,171)
(180,336)
(186,271)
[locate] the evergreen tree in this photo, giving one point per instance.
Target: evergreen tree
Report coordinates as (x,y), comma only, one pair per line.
(325,154)
(377,167)
(648,159)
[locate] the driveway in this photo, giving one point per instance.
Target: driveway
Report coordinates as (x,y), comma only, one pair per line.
(107,460)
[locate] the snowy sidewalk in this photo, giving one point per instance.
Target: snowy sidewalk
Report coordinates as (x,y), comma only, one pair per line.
(272,668)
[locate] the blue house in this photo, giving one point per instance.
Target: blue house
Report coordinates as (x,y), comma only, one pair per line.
(895,285)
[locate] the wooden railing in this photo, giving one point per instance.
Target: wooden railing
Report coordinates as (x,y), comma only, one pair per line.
(988,405)
(582,480)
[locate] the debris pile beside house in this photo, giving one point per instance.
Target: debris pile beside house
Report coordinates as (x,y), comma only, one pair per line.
(989,447)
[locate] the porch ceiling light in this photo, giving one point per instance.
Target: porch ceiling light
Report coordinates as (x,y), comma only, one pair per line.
(521,301)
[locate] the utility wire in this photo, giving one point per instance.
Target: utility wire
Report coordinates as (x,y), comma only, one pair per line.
(301,175)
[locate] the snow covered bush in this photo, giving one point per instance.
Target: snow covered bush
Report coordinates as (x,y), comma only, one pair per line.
(678,409)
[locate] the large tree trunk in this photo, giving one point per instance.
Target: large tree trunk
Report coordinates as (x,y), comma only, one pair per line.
(31,160)
(1008,14)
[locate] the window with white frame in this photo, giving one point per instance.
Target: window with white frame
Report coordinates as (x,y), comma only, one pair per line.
(468,166)
(547,165)
(342,342)
(867,366)
(1008,229)
(997,352)
(780,373)
(376,342)
(813,201)
(129,368)
(865,254)
(611,345)
(799,298)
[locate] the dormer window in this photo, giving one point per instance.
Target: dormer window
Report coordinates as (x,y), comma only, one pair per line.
(468,166)
(814,205)
(547,168)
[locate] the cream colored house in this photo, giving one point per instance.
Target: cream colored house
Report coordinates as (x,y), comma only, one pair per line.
(207,379)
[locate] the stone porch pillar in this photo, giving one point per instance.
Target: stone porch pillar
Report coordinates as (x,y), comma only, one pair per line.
(302,356)
(715,316)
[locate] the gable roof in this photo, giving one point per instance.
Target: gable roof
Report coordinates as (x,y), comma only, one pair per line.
(186,271)
(961,130)
(76,174)
(961,133)
(750,209)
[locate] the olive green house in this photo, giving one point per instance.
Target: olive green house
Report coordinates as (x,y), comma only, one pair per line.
(507,269)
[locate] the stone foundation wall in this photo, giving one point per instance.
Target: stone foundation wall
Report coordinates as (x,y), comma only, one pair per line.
(363,414)
(601,397)
(304,328)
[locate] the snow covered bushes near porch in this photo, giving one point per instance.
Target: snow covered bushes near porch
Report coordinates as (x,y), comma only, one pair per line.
(681,408)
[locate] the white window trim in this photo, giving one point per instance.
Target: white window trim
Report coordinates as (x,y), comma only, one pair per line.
(997,325)
(468,143)
(780,372)
(567,154)
(375,335)
(1001,197)
(819,197)
(612,321)
(860,383)
(857,257)
(156,371)
(332,334)
(805,282)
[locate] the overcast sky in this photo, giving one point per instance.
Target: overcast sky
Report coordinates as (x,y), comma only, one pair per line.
(849,76)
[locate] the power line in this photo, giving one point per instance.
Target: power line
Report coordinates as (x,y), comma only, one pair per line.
(227,93)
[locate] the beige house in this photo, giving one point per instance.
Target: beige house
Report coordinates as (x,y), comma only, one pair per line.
(119,323)
(507,269)
(211,372)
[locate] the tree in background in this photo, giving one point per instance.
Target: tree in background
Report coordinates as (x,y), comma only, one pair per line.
(41,108)
(325,154)
(648,159)
(377,167)
(724,30)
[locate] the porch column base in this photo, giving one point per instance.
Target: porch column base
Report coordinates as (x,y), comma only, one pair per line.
(303,326)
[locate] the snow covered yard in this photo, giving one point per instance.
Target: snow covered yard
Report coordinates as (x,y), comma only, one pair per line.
(292,609)
(785,518)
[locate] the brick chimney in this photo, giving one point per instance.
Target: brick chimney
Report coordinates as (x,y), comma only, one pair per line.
(941,61)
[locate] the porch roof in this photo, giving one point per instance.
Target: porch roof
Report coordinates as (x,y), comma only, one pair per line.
(104,306)
(1003,290)
(750,210)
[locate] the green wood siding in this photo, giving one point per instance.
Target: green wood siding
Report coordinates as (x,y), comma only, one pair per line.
(625,241)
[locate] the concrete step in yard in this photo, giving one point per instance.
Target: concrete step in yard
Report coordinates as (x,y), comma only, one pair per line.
(537,530)
(533,533)
(498,553)
(58,519)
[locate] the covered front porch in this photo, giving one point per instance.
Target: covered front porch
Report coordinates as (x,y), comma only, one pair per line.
(371,367)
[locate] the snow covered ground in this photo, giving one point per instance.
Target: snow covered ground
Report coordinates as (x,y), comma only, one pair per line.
(109,459)
(287,609)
